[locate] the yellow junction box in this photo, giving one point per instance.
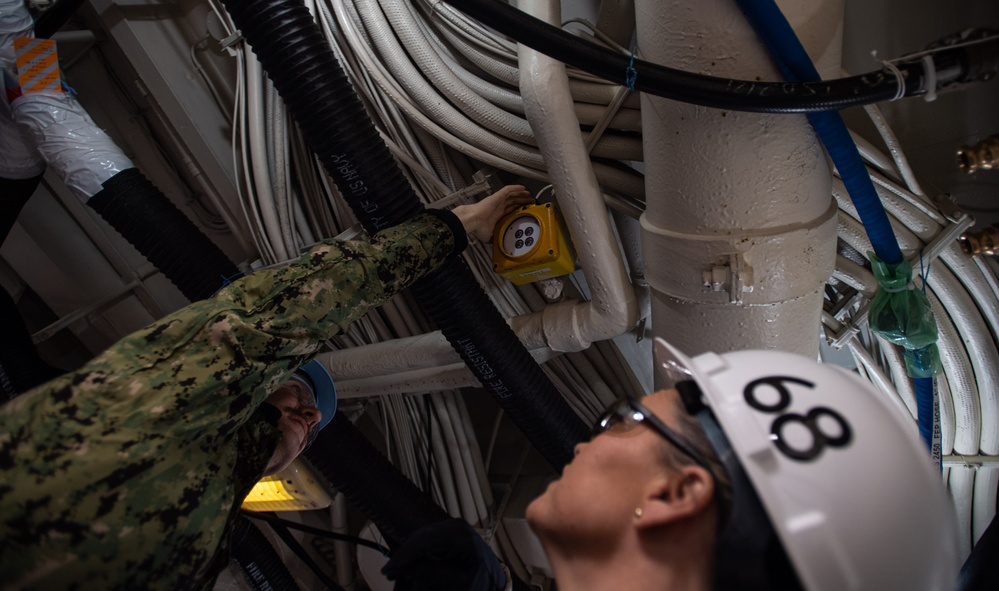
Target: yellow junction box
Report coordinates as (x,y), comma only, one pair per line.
(531,244)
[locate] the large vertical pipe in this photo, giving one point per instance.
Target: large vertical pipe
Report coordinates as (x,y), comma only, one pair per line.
(739,231)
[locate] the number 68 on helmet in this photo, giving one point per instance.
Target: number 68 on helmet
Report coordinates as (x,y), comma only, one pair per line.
(818,455)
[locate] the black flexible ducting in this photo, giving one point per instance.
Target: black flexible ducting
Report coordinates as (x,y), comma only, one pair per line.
(981,570)
(370,482)
(150,222)
(303,555)
(308,77)
(55,17)
(21,368)
(688,87)
(260,563)
(345,457)
(16,193)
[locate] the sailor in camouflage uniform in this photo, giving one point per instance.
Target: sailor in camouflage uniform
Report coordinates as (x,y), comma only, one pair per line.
(127,473)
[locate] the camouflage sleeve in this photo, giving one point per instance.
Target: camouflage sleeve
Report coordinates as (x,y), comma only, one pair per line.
(210,364)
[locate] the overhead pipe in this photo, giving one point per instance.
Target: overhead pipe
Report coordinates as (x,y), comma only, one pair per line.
(613,307)
(739,231)
(314,87)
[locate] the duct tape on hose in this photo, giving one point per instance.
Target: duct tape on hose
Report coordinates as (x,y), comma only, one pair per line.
(18,157)
(82,154)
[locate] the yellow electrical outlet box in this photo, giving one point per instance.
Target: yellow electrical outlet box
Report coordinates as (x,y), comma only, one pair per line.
(531,244)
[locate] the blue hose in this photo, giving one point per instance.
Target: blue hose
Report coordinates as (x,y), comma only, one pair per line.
(795,65)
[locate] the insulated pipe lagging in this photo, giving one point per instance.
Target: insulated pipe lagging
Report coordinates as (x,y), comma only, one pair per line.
(304,70)
(158,230)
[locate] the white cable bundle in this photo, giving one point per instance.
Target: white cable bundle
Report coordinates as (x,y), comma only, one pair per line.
(965,300)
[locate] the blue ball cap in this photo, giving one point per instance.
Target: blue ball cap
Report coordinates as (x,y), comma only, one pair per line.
(322,387)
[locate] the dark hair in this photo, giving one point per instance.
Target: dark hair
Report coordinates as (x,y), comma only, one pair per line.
(690,429)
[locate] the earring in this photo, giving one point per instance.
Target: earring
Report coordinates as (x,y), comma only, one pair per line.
(638,512)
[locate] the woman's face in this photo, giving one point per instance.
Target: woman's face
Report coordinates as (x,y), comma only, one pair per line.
(299,416)
(596,497)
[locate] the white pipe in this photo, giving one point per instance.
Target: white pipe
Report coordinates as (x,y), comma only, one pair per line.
(469,510)
(735,201)
(263,195)
(983,509)
(613,308)
(961,485)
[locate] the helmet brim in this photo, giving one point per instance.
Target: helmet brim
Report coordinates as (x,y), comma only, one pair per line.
(325,390)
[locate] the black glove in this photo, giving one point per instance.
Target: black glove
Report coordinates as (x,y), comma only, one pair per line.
(445,556)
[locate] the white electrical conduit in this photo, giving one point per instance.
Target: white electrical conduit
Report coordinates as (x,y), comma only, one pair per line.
(426,60)
(257,169)
(948,414)
(241,164)
(629,119)
(450,376)
(969,322)
(276,163)
(493,153)
(446,85)
(874,157)
(468,501)
(961,486)
(470,29)
(984,506)
(478,464)
(863,357)
(411,80)
(584,88)
(894,148)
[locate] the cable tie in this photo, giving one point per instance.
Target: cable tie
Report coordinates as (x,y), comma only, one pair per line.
(630,75)
(895,289)
(231,40)
(899,79)
(930,69)
(924,273)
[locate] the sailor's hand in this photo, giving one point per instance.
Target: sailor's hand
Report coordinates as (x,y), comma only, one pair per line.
(480,218)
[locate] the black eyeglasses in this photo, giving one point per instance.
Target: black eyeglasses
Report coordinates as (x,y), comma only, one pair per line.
(628,412)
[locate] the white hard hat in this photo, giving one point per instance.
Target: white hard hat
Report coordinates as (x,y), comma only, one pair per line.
(844,482)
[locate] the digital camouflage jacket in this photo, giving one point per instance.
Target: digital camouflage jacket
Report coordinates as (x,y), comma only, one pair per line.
(127,474)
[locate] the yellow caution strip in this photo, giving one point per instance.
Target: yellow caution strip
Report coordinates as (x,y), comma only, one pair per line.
(37,65)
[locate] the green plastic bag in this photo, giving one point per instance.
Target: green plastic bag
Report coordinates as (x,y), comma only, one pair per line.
(902,314)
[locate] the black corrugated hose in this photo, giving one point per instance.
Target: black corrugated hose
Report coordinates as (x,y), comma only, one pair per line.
(688,87)
(150,222)
(55,17)
(308,77)
(370,482)
(260,563)
(21,368)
